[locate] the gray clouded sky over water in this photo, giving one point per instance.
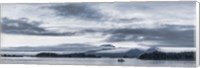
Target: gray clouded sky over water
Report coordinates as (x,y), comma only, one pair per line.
(125,24)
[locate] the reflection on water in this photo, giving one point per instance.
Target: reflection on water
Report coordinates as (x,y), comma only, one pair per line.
(96,61)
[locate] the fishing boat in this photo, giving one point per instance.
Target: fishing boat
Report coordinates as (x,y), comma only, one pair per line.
(120,60)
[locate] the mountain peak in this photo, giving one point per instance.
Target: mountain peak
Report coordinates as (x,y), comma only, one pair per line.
(152,49)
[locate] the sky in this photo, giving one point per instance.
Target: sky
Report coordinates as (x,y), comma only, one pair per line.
(123,24)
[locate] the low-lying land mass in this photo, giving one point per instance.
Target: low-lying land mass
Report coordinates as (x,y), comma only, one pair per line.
(109,51)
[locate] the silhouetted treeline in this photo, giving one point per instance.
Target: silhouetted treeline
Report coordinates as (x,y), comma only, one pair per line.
(146,56)
(8,55)
(168,56)
(66,55)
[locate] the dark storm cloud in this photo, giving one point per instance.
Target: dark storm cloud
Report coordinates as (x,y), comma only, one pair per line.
(169,34)
(166,35)
(80,11)
(86,12)
(23,26)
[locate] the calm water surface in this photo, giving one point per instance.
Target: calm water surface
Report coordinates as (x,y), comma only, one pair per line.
(95,61)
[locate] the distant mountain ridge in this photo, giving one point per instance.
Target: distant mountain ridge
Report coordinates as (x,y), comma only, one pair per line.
(105,50)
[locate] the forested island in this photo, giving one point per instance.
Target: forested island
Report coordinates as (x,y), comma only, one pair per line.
(168,56)
(74,55)
(104,51)
(146,56)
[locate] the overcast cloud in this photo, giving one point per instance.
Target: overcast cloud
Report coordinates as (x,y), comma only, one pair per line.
(169,24)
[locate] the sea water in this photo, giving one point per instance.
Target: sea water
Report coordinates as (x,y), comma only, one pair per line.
(96,61)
